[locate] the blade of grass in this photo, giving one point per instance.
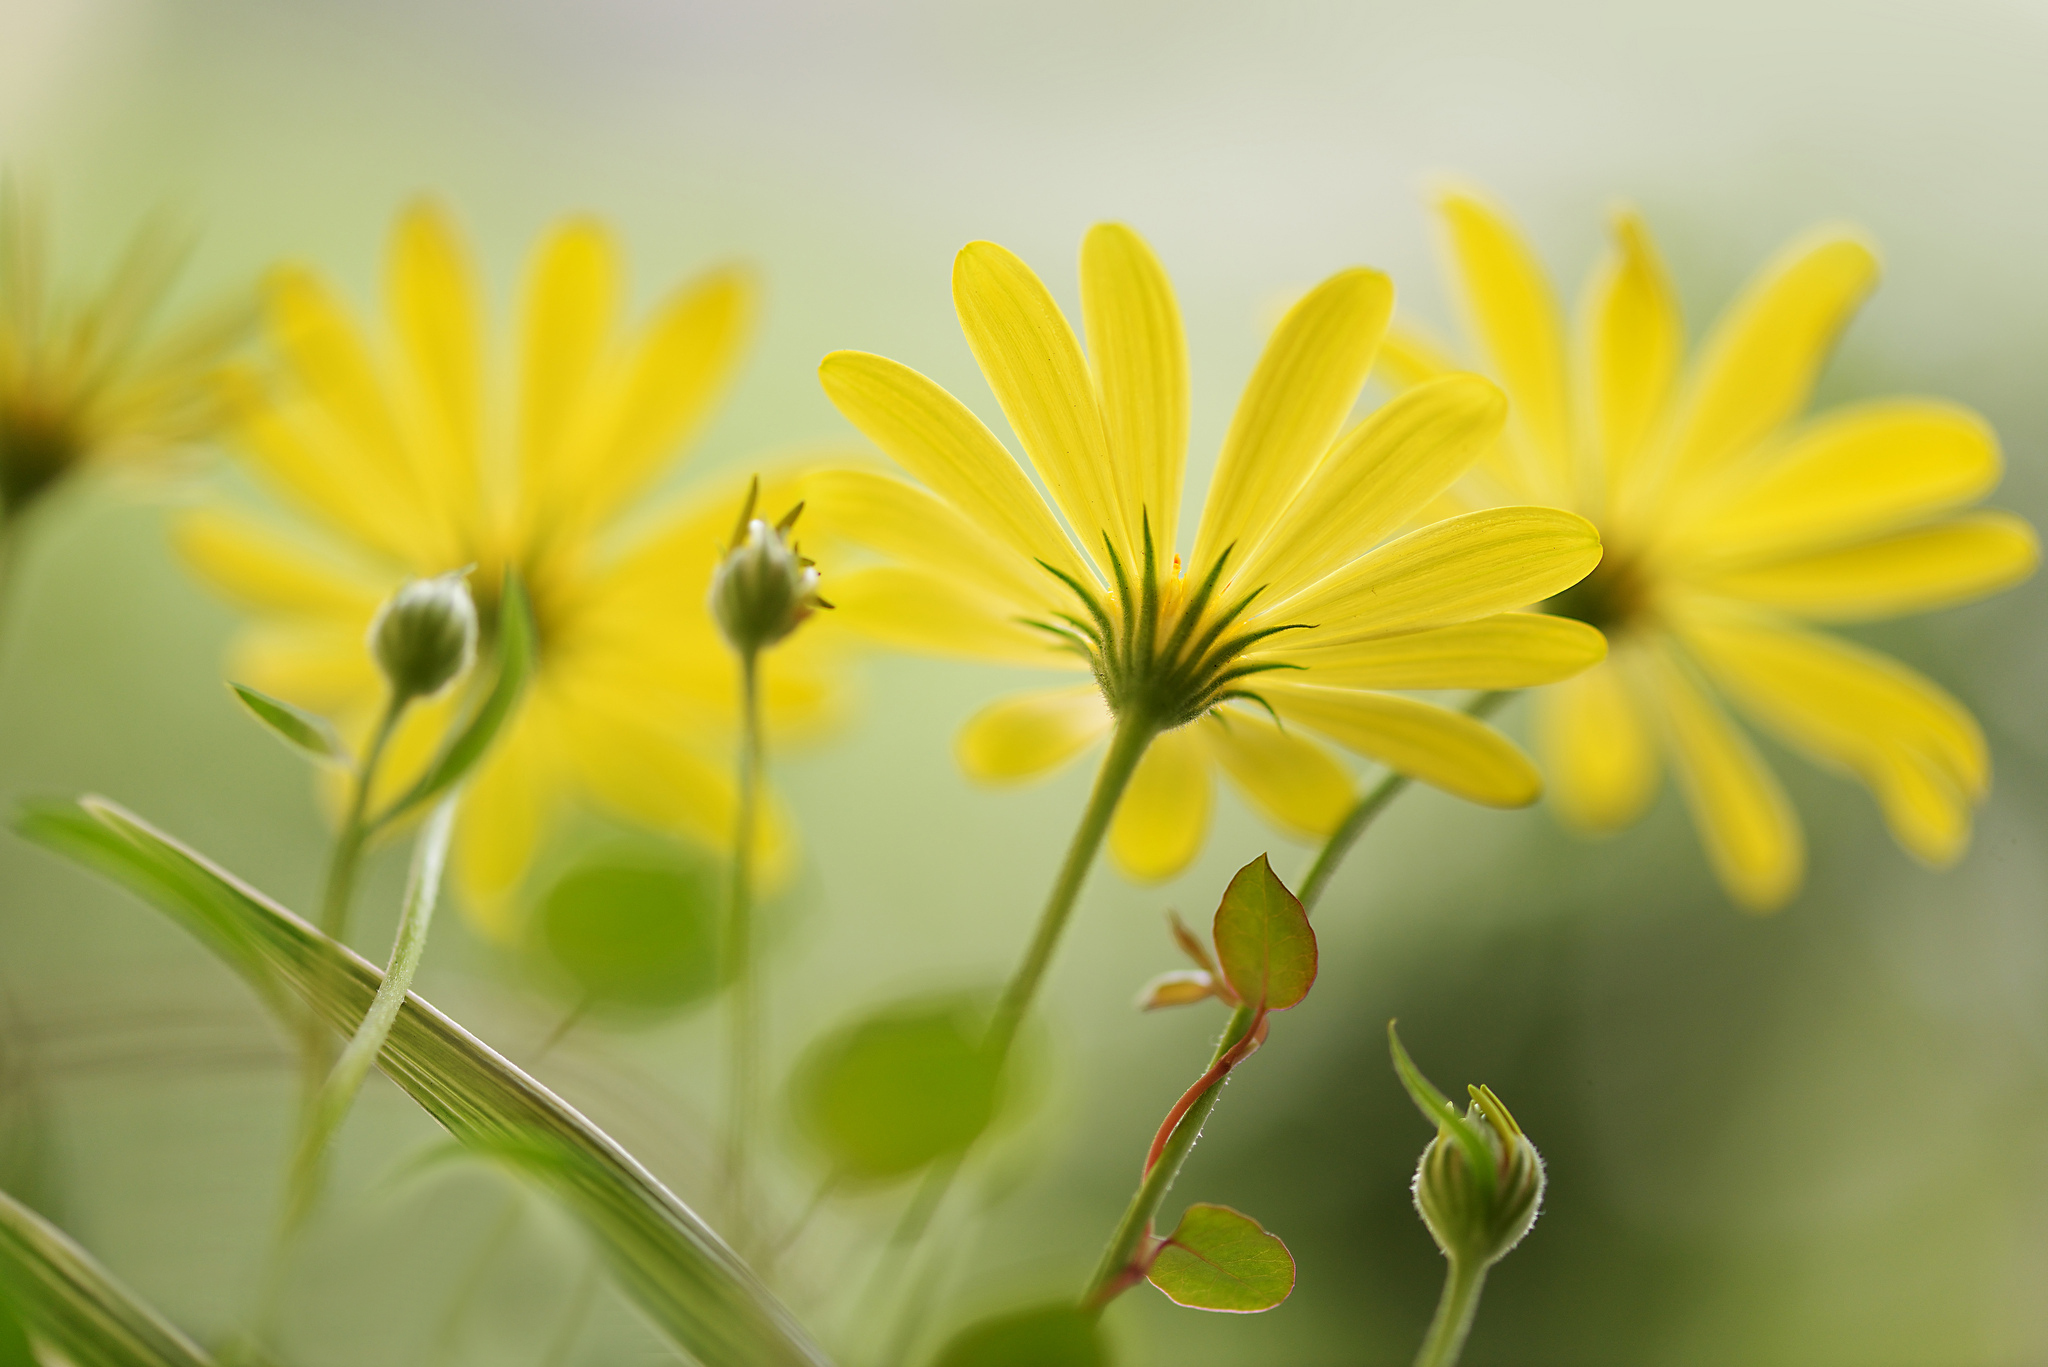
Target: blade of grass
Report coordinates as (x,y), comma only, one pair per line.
(65,1299)
(682,1276)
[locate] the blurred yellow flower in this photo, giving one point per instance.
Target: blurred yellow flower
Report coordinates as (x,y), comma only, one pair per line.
(404,466)
(84,382)
(1729,526)
(1285,605)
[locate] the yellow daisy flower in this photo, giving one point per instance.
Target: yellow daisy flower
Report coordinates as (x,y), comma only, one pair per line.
(1731,525)
(1288,608)
(87,383)
(403,466)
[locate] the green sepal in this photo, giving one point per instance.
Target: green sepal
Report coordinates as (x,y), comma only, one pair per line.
(1221,1259)
(304,731)
(1437,1109)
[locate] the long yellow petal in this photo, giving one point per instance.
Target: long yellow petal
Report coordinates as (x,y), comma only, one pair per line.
(1598,753)
(1159,825)
(1635,342)
(1409,356)
(1957,561)
(438,318)
(1379,476)
(913,527)
(913,609)
(1289,779)
(1506,650)
(1751,835)
(1030,734)
(264,570)
(505,810)
(945,447)
(1305,384)
(1451,571)
(1139,354)
(572,300)
(1863,469)
(1514,317)
(1445,749)
(1033,363)
(323,667)
(1759,363)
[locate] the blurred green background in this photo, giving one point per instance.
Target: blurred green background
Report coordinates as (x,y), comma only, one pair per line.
(1810,1139)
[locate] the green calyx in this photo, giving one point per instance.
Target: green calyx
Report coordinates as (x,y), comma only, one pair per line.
(764,588)
(1479,1186)
(424,637)
(1162,651)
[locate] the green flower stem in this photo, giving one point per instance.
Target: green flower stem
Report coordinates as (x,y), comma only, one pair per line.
(742,990)
(1113,1272)
(347,859)
(1454,1311)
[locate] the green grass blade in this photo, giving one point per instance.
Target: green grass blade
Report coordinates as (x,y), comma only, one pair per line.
(70,1303)
(683,1277)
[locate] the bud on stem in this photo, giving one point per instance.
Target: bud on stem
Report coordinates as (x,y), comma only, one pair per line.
(424,637)
(764,588)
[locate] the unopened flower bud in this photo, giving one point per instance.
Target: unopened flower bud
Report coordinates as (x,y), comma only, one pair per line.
(1479,1185)
(763,589)
(424,636)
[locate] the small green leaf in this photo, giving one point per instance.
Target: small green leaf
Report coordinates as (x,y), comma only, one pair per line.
(298,728)
(459,755)
(1263,939)
(898,1088)
(635,928)
(1060,1335)
(72,1304)
(1219,1259)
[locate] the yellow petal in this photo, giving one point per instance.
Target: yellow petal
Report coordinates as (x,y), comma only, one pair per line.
(1506,650)
(1159,825)
(323,667)
(912,527)
(1751,835)
(1033,363)
(269,572)
(1635,341)
(1139,354)
(505,810)
(1379,476)
(1758,365)
(1305,384)
(1408,356)
(1030,734)
(1898,731)
(1598,753)
(572,299)
(1446,749)
(1951,562)
(914,609)
(438,319)
(1450,571)
(945,447)
(1514,317)
(1861,470)
(1289,779)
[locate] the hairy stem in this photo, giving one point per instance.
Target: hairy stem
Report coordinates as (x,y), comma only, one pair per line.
(1454,1312)
(347,859)
(743,1008)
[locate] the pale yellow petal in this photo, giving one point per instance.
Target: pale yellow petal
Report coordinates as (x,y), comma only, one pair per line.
(1598,753)
(1030,734)
(438,318)
(571,307)
(265,570)
(1292,781)
(1379,476)
(1951,562)
(1759,363)
(1506,650)
(1409,356)
(913,527)
(1033,363)
(914,609)
(945,447)
(324,667)
(1159,825)
(1450,571)
(1750,832)
(1446,749)
(1514,317)
(1138,351)
(1862,470)
(1307,380)
(505,811)
(1635,342)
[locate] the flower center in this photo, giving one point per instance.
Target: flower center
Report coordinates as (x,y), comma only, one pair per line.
(36,448)
(1613,598)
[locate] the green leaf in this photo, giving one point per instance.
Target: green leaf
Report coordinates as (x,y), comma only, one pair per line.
(683,1277)
(14,1349)
(898,1088)
(1060,1335)
(1263,939)
(298,728)
(1220,1259)
(1438,1110)
(460,754)
(72,1304)
(635,928)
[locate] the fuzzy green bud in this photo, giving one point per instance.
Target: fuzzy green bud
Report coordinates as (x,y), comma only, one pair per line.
(764,588)
(1479,1185)
(424,636)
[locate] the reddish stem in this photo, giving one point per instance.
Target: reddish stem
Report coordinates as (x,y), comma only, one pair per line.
(1236,1054)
